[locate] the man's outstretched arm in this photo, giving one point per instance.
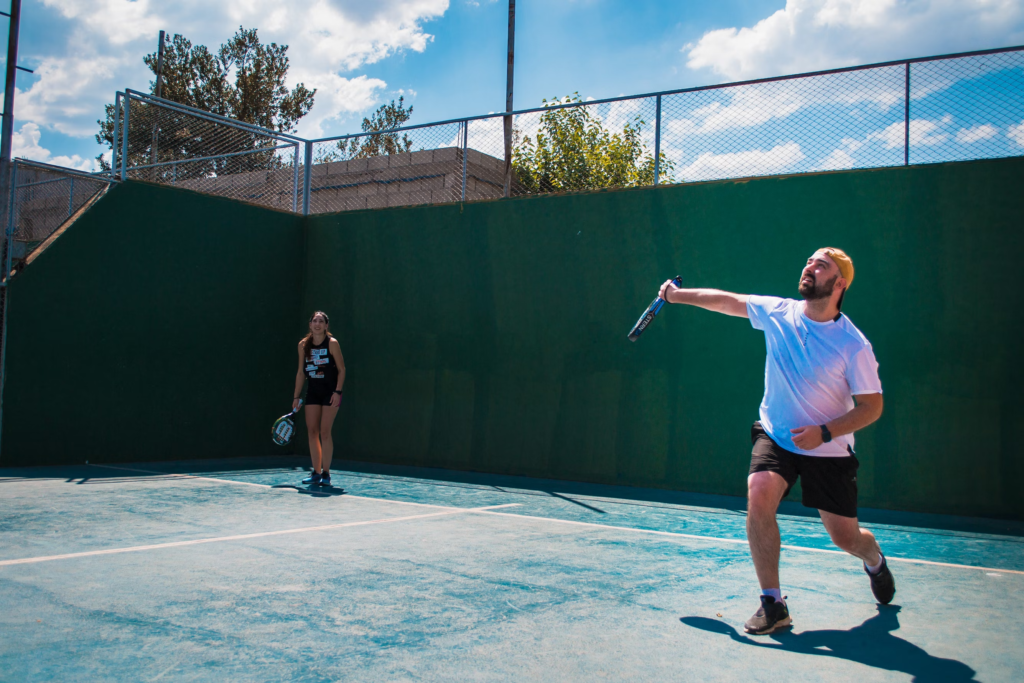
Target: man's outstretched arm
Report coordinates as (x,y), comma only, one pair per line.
(711,299)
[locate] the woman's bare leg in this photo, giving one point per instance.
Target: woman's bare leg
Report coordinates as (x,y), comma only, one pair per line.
(313,432)
(326,440)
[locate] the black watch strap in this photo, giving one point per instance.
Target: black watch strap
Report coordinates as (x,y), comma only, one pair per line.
(826,435)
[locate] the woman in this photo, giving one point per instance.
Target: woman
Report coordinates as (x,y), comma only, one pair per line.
(320,361)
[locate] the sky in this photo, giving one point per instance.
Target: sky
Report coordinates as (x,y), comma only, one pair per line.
(447,57)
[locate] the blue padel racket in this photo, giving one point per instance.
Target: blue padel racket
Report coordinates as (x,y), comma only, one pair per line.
(284,427)
(651,311)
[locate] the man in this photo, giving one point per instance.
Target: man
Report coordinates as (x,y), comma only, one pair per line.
(820,386)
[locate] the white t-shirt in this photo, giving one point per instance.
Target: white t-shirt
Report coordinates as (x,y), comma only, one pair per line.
(812,372)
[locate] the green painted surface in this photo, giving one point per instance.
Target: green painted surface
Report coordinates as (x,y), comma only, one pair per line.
(151,329)
(492,336)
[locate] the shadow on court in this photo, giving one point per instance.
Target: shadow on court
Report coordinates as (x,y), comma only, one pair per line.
(318,492)
(871,643)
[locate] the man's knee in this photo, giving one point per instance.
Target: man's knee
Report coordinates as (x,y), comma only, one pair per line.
(846,536)
(764,492)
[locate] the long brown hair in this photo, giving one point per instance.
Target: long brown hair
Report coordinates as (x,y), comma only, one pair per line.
(307,341)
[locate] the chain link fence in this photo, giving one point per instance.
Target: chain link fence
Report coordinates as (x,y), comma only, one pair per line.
(44,200)
(949,108)
(168,143)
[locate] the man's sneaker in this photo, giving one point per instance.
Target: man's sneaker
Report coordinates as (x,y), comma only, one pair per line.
(882,583)
(312,479)
(770,616)
(325,480)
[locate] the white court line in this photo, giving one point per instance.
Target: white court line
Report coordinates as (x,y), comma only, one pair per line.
(262,534)
(268,486)
(714,539)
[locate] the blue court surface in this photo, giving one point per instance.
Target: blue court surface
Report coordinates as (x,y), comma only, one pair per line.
(232,570)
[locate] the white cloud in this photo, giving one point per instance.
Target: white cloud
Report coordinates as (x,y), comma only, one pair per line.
(976,133)
(1016,133)
(116,21)
(842,158)
(337,96)
(25,145)
(69,94)
(327,39)
(811,35)
(749,163)
(922,132)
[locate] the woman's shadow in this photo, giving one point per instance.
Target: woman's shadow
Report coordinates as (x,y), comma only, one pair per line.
(872,643)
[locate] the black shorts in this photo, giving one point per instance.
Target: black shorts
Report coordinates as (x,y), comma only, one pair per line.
(829,484)
(318,394)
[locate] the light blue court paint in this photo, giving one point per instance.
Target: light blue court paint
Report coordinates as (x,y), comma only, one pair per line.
(231,570)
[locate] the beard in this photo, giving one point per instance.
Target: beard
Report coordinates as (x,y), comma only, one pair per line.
(814,292)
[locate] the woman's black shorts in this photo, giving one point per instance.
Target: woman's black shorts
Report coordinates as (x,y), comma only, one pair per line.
(319,394)
(829,484)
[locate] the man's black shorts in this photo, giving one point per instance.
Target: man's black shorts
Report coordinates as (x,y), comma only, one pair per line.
(829,484)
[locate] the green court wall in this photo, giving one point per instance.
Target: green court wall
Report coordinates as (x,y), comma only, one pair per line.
(491,336)
(152,329)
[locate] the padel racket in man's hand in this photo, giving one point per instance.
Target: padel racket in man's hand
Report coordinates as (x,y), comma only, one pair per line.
(284,427)
(651,311)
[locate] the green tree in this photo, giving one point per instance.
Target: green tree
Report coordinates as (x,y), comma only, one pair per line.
(244,80)
(573,150)
(386,117)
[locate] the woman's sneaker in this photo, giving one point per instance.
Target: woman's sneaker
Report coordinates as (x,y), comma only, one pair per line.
(771,615)
(312,479)
(325,480)
(883,585)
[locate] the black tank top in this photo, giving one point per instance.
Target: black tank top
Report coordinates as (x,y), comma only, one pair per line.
(320,365)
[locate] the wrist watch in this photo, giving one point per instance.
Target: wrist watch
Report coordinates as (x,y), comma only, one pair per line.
(339,391)
(826,435)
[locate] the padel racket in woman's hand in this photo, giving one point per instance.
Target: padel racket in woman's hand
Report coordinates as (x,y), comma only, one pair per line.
(284,427)
(651,311)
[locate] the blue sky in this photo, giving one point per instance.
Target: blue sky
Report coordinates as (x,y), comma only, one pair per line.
(448,56)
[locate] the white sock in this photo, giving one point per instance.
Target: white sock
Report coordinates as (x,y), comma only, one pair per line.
(875,569)
(774,592)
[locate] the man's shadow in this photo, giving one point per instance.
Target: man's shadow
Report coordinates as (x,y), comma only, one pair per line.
(872,643)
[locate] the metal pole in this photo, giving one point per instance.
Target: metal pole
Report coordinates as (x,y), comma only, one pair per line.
(6,285)
(160,66)
(7,130)
(117,132)
(155,146)
(508,95)
(307,177)
(124,137)
(465,147)
(906,119)
(657,139)
(295,180)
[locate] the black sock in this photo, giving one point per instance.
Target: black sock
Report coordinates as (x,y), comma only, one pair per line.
(325,473)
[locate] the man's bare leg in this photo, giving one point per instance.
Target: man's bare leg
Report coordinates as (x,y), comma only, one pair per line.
(764,493)
(848,535)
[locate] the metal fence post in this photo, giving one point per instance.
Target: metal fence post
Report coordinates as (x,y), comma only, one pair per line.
(307,178)
(295,179)
(657,139)
(9,240)
(124,138)
(465,147)
(117,129)
(71,198)
(906,119)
